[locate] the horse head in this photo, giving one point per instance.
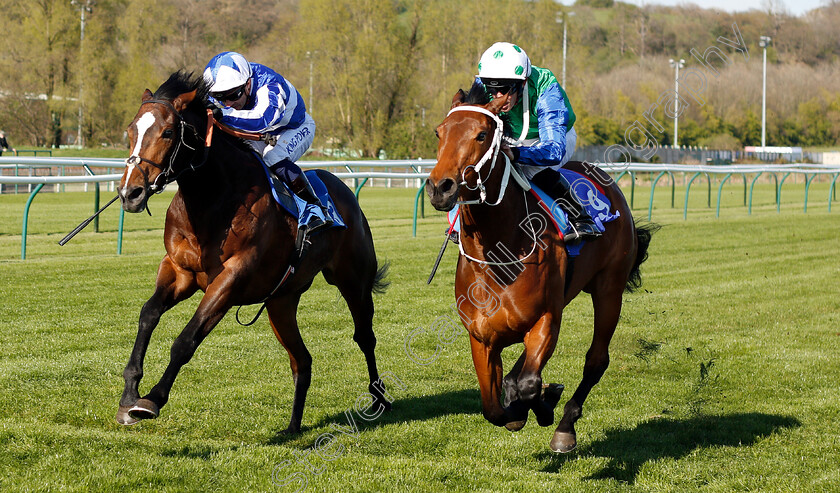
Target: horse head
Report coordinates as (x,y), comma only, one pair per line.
(467,139)
(163,139)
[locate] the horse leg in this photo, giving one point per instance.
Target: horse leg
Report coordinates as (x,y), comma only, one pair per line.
(540,342)
(360,304)
(511,390)
(607,305)
(488,369)
(172,287)
(549,396)
(213,306)
(282,313)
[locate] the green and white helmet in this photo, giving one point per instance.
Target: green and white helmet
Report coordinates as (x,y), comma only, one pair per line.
(504,61)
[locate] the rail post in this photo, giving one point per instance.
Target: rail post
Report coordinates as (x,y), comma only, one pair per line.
(26,220)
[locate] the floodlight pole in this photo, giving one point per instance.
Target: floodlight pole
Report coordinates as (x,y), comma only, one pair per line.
(764,42)
(84,6)
(562,18)
(677,65)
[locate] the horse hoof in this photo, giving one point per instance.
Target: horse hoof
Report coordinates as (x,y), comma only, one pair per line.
(379,400)
(144,409)
(123,417)
(550,397)
(385,403)
(515,425)
(563,442)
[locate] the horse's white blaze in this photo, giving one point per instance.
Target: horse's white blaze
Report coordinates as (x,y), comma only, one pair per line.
(143,124)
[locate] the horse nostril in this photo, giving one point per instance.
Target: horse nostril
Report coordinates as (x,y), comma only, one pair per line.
(134,194)
(446,186)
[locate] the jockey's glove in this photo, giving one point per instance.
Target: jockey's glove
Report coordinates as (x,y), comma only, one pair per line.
(217,113)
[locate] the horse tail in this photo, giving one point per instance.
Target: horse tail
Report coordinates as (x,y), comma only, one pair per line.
(643,236)
(380,285)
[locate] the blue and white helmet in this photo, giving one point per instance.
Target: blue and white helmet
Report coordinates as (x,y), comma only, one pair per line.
(226,71)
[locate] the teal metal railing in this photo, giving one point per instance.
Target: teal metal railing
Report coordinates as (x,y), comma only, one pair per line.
(418,172)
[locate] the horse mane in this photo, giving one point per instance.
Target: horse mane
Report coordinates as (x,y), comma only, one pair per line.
(478,94)
(182,82)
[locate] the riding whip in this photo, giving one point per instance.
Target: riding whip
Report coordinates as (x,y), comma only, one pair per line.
(85,223)
(440,254)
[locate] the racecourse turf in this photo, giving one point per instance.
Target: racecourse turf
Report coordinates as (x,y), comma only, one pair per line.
(724,373)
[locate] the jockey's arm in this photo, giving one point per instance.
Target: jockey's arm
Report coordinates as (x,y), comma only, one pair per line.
(551,116)
(266,115)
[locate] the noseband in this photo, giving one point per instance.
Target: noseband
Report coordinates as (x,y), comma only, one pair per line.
(168,173)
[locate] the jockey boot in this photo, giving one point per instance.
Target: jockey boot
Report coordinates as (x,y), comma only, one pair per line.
(303,189)
(583,227)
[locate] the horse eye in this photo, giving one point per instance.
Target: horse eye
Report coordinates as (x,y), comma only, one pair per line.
(167,134)
(437,134)
(481,136)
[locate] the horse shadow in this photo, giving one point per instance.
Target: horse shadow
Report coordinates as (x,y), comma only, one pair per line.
(629,450)
(467,401)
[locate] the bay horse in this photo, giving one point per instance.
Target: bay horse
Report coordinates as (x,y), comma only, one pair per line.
(522,300)
(227,236)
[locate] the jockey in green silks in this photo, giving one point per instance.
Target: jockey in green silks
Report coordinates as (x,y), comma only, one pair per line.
(539,127)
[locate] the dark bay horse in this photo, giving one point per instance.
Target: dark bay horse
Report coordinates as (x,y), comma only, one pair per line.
(226,236)
(514,277)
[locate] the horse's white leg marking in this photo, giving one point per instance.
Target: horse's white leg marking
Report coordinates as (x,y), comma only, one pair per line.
(143,124)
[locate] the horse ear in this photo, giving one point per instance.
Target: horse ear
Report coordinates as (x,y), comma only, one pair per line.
(458,98)
(183,100)
(147,95)
(496,105)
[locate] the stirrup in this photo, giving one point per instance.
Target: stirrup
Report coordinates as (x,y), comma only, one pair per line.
(302,242)
(317,224)
(305,231)
(582,231)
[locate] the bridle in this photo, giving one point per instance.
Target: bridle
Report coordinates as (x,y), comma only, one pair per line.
(491,155)
(168,173)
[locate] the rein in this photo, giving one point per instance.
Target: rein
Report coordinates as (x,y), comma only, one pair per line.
(492,155)
(268,139)
(518,260)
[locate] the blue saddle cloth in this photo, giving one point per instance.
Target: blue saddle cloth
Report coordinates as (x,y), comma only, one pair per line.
(589,194)
(298,207)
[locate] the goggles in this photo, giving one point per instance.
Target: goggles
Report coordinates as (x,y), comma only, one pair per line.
(231,95)
(503,86)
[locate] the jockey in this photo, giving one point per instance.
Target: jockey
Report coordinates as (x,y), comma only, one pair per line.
(541,122)
(253,98)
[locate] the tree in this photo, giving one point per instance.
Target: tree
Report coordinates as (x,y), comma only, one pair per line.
(38,88)
(384,71)
(747,128)
(370,48)
(144,27)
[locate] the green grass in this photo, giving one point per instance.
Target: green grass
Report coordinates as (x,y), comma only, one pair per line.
(724,372)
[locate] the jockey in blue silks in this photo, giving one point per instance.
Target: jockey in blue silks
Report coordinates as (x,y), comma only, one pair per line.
(540,127)
(253,98)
